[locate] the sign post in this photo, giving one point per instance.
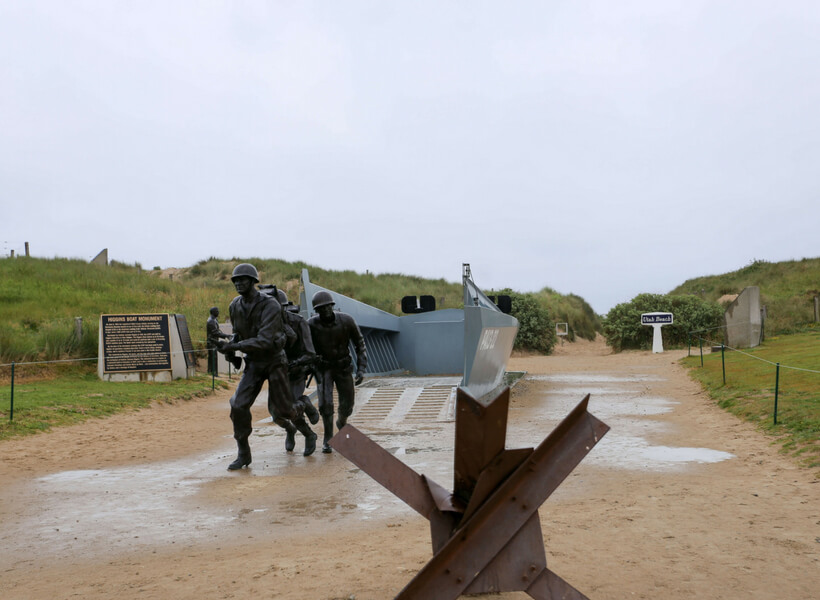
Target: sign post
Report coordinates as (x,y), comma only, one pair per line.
(562,331)
(657,320)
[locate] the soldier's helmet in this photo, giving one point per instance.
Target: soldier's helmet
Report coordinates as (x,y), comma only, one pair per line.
(322,298)
(245,270)
(282,297)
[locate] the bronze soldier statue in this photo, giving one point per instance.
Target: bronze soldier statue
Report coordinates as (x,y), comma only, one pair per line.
(332,332)
(259,332)
(301,356)
(213,335)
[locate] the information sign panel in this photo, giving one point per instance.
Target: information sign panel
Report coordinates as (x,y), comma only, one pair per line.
(185,339)
(135,343)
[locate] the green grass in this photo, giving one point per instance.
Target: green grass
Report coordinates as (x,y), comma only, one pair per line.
(384,291)
(750,389)
(787,289)
(571,309)
(74,394)
(40,298)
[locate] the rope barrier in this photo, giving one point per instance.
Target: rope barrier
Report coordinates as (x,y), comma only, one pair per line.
(774,364)
(14,364)
(777,366)
(724,326)
(47,362)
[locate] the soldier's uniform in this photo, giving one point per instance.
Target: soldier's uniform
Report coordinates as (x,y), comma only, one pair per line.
(301,356)
(212,336)
(334,365)
(259,333)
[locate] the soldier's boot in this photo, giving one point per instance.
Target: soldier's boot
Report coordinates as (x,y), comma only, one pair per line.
(290,433)
(310,437)
(341,421)
(310,410)
(327,421)
(243,458)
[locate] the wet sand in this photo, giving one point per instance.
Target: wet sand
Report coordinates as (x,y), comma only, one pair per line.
(679,500)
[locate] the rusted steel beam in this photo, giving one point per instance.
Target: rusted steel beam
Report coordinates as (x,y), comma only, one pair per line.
(517,566)
(442,498)
(385,468)
(481,432)
(550,586)
(484,535)
(495,473)
(442,526)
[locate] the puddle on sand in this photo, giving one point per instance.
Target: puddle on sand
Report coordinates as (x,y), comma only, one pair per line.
(674,455)
(627,408)
(84,513)
(631,452)
(116,508)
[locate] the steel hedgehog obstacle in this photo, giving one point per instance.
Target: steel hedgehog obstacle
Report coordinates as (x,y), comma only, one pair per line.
(486,533)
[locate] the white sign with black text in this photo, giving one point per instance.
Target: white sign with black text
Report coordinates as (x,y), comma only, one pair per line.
(657,320)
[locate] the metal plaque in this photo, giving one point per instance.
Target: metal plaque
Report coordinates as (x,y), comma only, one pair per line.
(135,343)
(185,340)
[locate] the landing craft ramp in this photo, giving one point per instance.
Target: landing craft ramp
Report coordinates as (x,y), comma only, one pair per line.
(471,346)
(392,400)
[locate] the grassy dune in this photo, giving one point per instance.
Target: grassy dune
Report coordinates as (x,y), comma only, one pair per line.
(787,289)
(40,298)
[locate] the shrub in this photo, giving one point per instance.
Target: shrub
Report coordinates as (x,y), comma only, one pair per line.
(623,329)
(536,330)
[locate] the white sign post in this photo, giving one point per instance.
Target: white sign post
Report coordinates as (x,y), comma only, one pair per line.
(657,320)
(562,331)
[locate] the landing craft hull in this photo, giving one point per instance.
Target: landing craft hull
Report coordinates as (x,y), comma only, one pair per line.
(474,342)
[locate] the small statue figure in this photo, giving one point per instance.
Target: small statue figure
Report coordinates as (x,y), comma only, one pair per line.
(259,332)
(332,332)
(213,335)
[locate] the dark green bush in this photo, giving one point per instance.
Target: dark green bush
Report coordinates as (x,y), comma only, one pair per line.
(623,329)
(536,330)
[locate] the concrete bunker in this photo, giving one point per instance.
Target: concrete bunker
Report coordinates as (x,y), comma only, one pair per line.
(742,319)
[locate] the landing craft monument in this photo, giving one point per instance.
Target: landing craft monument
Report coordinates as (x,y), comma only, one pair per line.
(475,341)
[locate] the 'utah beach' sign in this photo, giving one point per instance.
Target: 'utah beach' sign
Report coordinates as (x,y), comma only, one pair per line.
(657,320)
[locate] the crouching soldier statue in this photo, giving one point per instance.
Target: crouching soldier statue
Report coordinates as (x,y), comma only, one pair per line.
(259,332)
(332,332)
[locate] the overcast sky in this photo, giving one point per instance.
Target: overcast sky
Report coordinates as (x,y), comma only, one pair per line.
(599,148)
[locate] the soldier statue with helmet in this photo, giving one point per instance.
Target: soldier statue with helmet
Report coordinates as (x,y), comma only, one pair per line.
(213,335)
(332,332)
(259,333)
(301,356)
